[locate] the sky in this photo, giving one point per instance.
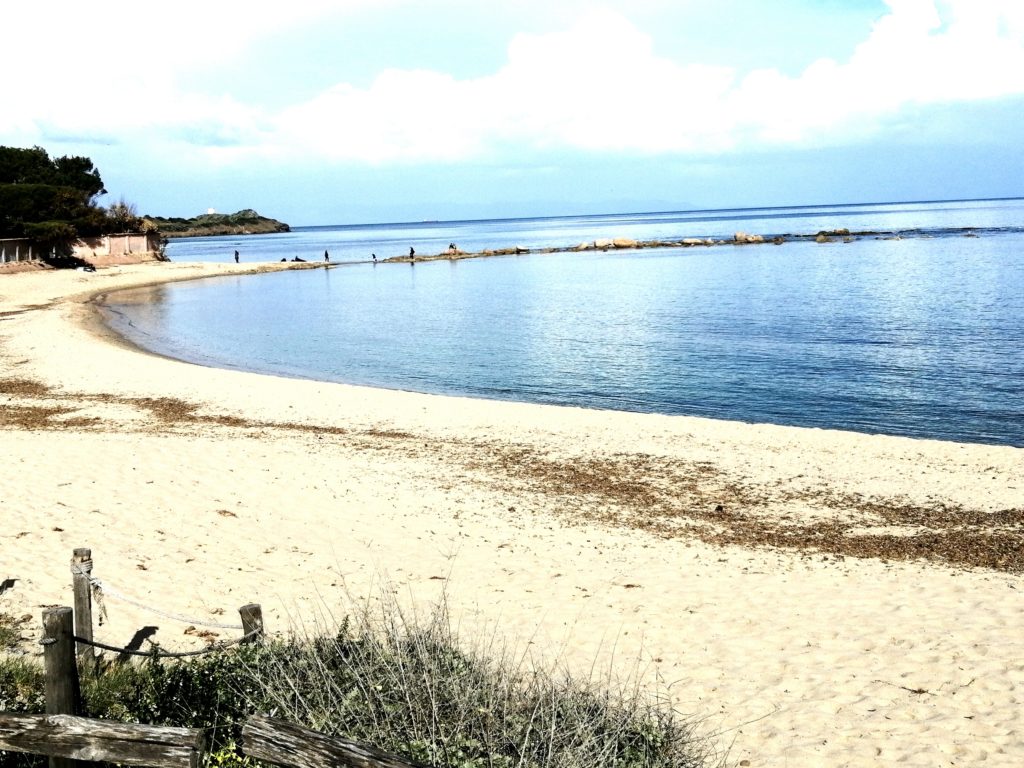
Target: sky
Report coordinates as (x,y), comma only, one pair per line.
(358,111)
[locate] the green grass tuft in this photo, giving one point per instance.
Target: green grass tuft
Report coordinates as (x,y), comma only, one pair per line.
(402,684)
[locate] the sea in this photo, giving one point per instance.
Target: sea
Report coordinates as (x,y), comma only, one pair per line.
(912,326)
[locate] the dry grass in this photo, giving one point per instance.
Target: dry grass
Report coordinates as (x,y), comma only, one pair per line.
(409,685)
(671,498)
(11,631)
(34,417)
(404,684)
(660,495)
(23,387)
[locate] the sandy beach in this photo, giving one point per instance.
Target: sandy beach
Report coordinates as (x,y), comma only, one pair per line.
(818,598)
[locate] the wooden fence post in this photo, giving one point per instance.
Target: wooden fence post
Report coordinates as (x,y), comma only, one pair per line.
(252,621)
(281,743)
(81,568)
(61,687)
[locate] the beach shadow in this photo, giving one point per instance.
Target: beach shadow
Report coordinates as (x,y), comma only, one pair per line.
(7,584)
(135,643)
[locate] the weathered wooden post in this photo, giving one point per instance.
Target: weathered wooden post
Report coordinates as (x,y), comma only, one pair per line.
(61,687)
(81,568)
(252,622)
(281,743)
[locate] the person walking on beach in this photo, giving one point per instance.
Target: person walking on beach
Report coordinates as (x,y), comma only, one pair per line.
(326,256)
(236,257)
(374,255)
(412,252)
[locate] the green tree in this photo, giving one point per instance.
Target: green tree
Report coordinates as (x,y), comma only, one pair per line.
(79,173)
(34,166)
(54,200)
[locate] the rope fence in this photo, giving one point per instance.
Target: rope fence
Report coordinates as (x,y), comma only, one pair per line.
(88,588)
(101,590)
(155,653)
(67,739)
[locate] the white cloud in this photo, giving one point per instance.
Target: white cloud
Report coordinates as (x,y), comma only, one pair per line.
(113,68)
(597,86)
(915,55)
(404,115)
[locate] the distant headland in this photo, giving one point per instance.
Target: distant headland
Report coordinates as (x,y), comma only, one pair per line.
(245,222)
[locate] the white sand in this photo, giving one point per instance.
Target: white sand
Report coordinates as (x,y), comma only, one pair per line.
(794,658)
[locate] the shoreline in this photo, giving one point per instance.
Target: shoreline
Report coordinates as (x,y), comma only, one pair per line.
(653,407)
(593,534)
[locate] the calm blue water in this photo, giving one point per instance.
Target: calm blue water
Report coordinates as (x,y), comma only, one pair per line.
(920,336)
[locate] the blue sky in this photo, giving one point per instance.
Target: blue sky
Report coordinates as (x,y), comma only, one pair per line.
(350,111)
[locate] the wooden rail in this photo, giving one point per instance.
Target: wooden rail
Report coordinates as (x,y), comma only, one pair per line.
(281,743)
(66,737)
(72,738)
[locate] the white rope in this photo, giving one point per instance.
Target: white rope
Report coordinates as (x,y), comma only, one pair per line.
(101,589)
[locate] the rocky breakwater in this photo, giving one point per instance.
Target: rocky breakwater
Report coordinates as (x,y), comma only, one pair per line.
(827,236)
(626,243)
(621,243)
(515,250)
(742,238)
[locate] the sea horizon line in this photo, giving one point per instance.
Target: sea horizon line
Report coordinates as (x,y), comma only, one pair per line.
(741,209)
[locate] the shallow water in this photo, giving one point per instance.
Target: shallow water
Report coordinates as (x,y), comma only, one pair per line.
(919,336)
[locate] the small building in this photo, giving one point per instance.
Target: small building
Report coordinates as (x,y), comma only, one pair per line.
(127,248)
(101,251)
(17,249)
